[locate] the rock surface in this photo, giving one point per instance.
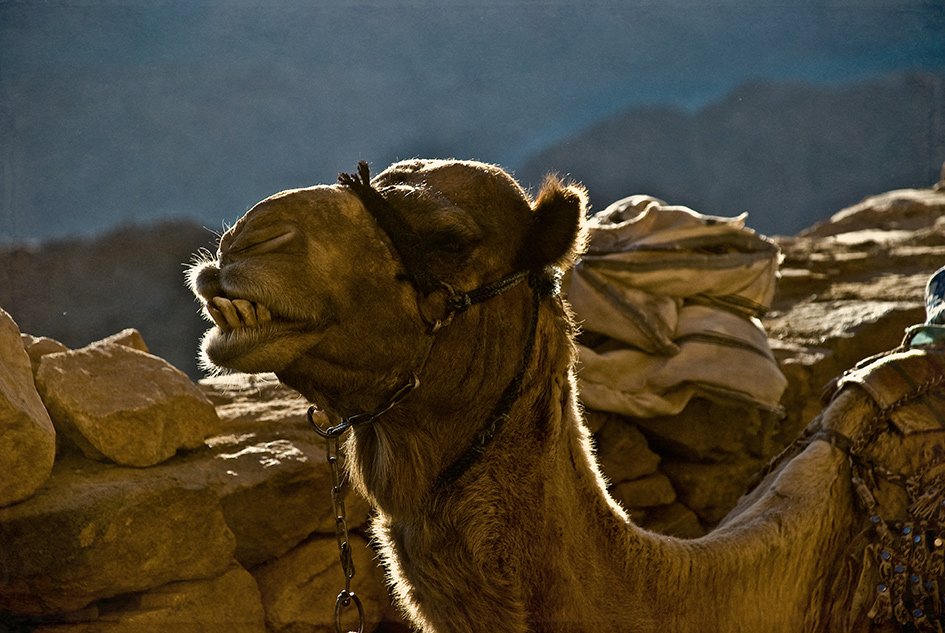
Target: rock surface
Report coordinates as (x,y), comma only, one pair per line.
(299,589)
(151,548)
(39,346)
(228,603)
(27,436)
(129,337)
(118,403)
(95,531)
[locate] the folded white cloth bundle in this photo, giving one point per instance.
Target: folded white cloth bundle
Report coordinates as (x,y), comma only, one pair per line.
(682,292)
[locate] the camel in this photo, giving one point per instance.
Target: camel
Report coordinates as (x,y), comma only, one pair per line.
(420,310)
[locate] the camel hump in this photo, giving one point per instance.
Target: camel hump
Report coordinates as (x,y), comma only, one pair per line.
(907,385)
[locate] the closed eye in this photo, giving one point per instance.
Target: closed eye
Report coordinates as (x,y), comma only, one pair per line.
(451,242)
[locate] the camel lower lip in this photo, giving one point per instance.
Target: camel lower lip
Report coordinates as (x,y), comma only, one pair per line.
(252,349)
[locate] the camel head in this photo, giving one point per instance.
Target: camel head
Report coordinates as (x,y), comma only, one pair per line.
(337,298)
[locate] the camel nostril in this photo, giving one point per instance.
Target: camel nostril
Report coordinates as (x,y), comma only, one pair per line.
(206,283)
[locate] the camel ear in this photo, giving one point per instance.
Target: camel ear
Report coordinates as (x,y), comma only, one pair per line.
(556,236)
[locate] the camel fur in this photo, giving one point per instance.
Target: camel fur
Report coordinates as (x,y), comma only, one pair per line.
(308,285)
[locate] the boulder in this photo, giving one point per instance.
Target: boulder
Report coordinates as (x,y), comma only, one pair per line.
(121,404)
(270,467)
(228,603)
(258,490)
(674,519)
(623,452)
(299,589)
(27,436)
(905,210)
(129,337)
(707,430)
(652,490)
(711,489)
(96,531)
(275,489)
(38,346)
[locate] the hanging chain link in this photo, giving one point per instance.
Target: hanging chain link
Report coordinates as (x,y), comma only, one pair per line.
(346,597)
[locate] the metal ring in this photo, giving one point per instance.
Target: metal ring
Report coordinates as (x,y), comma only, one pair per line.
(342,602)
(328,433)
(433,323)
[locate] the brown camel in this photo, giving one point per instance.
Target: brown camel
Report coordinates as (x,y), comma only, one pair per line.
(421,310)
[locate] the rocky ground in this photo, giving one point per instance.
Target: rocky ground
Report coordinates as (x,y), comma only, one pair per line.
(136,500)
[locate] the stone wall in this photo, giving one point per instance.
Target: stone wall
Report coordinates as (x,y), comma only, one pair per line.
(170,506)
(176,506)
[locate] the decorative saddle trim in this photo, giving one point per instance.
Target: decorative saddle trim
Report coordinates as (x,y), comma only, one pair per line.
(904,557)
(904,384)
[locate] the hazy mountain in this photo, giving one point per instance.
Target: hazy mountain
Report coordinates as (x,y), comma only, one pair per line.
(789,154)
(81,290)
(117,111)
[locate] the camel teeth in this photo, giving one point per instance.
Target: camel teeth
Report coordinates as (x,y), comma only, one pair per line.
(217,316)
(262,314)
(245,311)
(230,315)
(233,314)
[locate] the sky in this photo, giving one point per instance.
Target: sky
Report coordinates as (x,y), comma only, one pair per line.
(125,111)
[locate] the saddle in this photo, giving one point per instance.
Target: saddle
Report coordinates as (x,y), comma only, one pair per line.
(902,578)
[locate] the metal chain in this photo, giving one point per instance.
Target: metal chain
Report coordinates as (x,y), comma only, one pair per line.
(346,597)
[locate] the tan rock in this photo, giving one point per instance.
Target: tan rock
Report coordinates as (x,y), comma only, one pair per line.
(122,404)
(229,603)
(38,346)
(674,519)
(263,423)
(275,488)
(266,487)
(711,490)
(129,337)
(27,436)
(709,430)
(652,490)
(96,531)
(623,452)
(299,589)
(904,209)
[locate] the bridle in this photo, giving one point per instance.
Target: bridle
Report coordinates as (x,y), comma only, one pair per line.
(411,251)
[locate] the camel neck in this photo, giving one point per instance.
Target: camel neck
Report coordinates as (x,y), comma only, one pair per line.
(479,368)
(485,543)
(500,413)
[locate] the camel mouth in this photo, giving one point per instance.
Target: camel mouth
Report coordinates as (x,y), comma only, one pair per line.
(249,336)
(235,317)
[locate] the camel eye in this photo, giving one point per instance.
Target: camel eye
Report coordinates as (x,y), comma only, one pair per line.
(450,243)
